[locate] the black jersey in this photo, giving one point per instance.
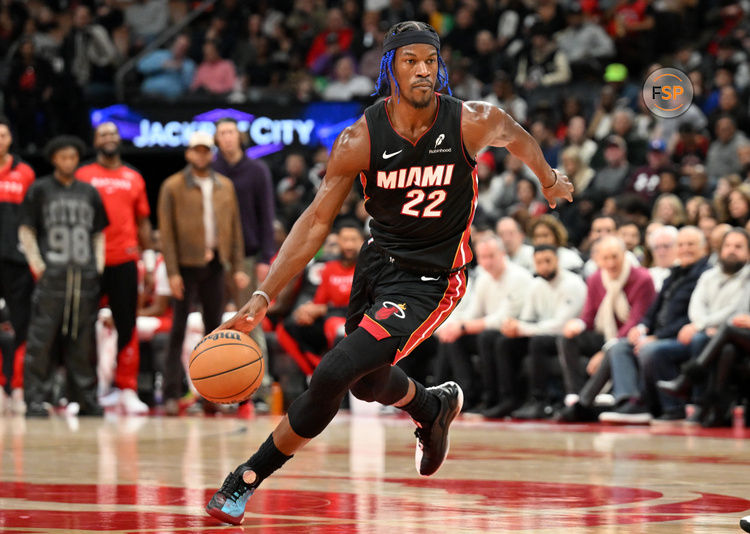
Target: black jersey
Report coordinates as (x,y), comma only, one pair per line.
(422,195)
(65,219)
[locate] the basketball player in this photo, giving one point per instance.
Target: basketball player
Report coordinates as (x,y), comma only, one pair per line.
(415,155)
(123,192)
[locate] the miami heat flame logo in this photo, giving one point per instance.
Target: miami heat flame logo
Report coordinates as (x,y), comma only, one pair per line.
(390,308)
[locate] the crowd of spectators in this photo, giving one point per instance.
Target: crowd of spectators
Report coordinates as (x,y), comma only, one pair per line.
(570,72)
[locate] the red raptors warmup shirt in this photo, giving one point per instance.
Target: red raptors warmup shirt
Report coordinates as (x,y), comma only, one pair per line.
(123,192)
(15,179)
(335,285)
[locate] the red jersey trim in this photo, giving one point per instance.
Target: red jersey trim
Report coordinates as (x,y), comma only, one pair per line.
(363,181)
(453,293)
(472,163)
(463,253)
(437,112)
(374,328)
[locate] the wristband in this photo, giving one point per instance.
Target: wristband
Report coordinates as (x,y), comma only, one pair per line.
(149,260)
(553,183)
(264,295)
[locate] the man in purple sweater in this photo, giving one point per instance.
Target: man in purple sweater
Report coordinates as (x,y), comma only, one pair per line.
(617,296)
(252,181)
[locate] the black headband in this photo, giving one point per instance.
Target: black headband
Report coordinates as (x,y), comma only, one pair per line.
(391,42)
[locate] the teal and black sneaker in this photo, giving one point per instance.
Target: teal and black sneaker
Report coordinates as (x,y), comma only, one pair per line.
(228,504)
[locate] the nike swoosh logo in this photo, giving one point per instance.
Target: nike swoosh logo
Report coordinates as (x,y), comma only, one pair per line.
(386,155)
(429,279)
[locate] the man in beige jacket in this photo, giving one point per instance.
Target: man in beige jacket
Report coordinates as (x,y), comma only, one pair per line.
(201,239)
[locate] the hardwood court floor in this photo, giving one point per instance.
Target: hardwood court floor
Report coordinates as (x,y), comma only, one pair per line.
(155,475)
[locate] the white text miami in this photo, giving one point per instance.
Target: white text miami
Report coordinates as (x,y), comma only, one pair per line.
(429,176)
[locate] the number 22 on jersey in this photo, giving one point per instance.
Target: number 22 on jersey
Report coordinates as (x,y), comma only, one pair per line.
(417,196)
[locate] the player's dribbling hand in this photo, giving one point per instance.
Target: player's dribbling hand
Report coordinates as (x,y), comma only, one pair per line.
(562,188)
(248,317)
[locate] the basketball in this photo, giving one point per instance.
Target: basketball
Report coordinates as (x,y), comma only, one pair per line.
(226,367)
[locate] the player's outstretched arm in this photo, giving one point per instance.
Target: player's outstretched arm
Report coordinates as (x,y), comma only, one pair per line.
(486,125)
(349,156)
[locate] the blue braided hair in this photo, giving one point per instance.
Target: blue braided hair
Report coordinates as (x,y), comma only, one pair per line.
(383,85)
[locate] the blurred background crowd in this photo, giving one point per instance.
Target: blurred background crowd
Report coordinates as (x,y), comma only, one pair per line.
(648,267)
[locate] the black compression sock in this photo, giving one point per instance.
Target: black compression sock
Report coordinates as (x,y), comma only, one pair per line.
(424,407)
(267,460)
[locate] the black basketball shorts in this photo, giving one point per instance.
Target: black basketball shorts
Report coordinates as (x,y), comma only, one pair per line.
(388,301)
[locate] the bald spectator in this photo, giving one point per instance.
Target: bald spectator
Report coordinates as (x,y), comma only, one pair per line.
(603,226)
(617,296)
(663,246)
(347,84)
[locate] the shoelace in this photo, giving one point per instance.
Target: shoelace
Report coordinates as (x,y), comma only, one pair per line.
(233,487)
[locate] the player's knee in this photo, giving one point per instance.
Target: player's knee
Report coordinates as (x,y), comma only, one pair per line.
(364,391)
(333,375)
